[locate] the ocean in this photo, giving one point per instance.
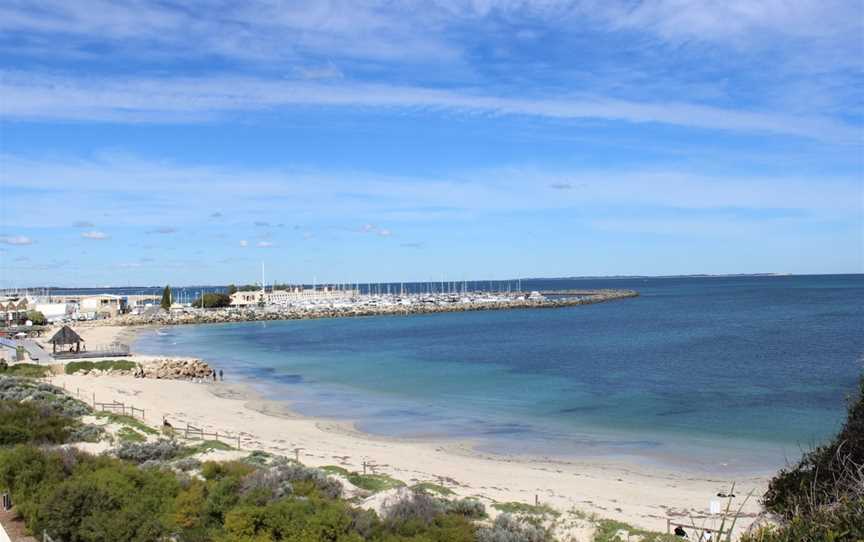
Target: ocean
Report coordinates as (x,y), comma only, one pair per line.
(711,374)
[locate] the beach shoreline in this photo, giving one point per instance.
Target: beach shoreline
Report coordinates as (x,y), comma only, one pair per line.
(630,491)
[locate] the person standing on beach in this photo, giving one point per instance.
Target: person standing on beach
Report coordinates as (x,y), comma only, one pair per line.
(221,376)
(214,376)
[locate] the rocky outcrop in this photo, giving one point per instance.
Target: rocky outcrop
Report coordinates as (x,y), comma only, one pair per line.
(161,368)
(175,369)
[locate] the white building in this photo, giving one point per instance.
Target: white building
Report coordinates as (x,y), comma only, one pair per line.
(56,311)
(291,296)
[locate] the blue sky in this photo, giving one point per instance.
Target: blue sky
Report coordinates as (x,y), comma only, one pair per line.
(187,142)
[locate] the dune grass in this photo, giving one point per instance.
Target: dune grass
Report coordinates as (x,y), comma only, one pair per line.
(524,509)
(369,482)
(607,531)
(26,370)
(436,489)
(127,434)
(122,419)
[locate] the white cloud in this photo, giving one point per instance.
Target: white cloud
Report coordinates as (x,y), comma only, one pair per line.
(264,244)
(33,96)
(19,240)
(83,224)
(95,235)
(244,243)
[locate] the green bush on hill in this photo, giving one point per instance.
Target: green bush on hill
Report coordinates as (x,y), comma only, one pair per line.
(77,497)
(822,497)
(25,370)
(22,423)
(213,300)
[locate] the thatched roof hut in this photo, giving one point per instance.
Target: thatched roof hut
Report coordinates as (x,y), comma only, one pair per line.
(66,336)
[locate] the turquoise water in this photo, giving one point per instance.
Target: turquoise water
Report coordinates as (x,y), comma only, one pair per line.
(718,374)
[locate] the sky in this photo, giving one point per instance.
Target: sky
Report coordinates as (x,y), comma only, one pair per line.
(154,142)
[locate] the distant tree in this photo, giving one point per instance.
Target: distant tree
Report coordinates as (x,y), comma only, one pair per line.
(166,298)
(212,300)
(232,289)
(36,317)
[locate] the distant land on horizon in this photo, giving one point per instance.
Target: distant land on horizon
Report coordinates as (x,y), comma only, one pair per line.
(575,277)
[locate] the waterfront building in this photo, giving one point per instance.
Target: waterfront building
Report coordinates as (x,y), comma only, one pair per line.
(291,296)
(13,310)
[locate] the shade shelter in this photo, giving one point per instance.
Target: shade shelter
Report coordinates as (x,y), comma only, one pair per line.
(67,337)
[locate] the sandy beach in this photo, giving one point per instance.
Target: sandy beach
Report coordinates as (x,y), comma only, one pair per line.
(634,493)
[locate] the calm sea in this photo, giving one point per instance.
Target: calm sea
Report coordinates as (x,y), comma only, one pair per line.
(715,374)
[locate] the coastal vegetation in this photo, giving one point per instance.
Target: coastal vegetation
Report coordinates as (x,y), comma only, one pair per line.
(107,365)
(146,490)
(28,370)
(212,300)
(36,317)
(821,498)
(165,302)
(33,423)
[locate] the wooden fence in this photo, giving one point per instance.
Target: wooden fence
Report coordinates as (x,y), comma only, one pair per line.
(196,433)
(119,408)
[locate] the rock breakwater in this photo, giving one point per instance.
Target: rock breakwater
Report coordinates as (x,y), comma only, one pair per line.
(247,314)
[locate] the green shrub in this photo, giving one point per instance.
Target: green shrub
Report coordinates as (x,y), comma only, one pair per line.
(213,300)
(27,390)
(106,365)
(26,472)
(525,509)
(824,474)
(429,487)
(470,508)
(22,423)
(374,482)
(26,370)
(822,497)
(77,497)
(506,528)
(36,317)
(114,502)
(140,452)
(842,522)
(123,419)
(127,434)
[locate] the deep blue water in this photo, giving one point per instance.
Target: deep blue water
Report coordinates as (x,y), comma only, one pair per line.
(710,373)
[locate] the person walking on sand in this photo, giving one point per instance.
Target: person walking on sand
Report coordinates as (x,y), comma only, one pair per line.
(221,375)
(214,376)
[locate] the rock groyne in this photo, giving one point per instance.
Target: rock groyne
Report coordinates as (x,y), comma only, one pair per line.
(237,314)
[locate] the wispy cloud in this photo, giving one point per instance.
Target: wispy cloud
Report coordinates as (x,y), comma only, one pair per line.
(95,235)
(244,243)
(83,224)
(264,244)
(19,240)
(310,194)
(191,100)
